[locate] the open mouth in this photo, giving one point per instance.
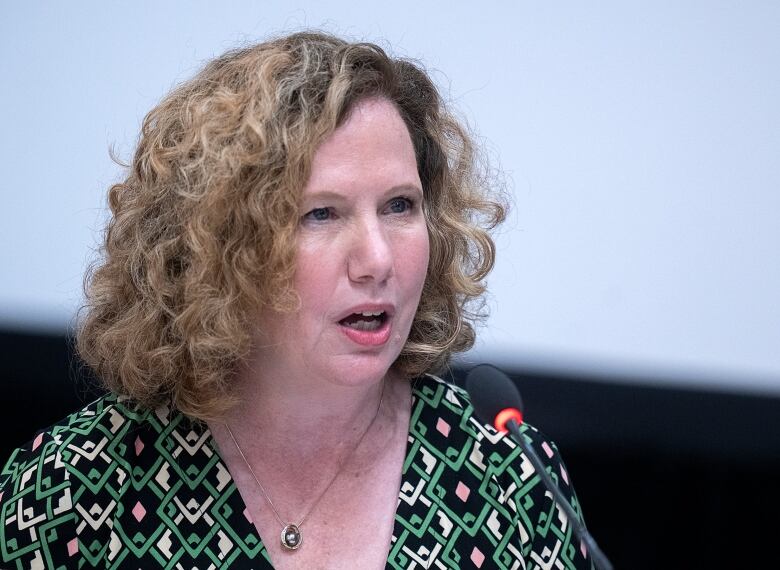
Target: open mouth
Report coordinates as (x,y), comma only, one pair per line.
(365,321)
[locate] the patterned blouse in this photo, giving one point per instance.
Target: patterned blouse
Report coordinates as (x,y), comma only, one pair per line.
(114,486)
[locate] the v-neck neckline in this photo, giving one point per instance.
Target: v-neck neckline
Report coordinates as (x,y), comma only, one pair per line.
(402,506)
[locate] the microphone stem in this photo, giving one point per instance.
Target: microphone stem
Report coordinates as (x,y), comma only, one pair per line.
(599,559)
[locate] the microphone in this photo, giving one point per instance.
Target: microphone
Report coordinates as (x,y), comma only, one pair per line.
(497,402)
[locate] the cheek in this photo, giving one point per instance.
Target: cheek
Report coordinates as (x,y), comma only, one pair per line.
(415,255)
(315,276)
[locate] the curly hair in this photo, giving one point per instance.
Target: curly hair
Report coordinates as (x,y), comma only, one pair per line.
(203,227)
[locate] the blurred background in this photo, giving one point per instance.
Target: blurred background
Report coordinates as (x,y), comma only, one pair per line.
(635,297)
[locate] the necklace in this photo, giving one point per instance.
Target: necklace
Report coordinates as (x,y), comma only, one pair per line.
(291,537)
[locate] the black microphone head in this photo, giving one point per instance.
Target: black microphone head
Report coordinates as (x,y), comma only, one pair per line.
(491,391)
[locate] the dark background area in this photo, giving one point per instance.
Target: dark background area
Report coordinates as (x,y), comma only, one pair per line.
(667,477)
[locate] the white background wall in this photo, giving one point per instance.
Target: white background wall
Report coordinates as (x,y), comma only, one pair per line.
(642,144)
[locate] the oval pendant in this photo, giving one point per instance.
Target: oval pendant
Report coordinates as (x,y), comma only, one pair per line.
(291,537)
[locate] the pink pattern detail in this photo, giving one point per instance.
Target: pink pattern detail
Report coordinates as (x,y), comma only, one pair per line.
(139,445)
(462,491)
(583,549)
(37,441)
(477,557)
(443,427)
(547,449)
(73,547)
(564,475)
(139,512)
(247,515)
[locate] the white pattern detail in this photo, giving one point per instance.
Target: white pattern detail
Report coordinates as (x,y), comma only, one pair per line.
(445,523)
(164,544)
(477,457)
(493,524)
(428,459)
(114,546)
(88,518)
(162,477)
(224,543)
(117,420)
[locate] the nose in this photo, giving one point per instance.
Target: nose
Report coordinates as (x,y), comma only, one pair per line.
(371,254)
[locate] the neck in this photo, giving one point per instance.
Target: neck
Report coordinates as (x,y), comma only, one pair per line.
(304,420)
(343,436)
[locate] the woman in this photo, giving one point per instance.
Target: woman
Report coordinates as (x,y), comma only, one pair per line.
(298,243)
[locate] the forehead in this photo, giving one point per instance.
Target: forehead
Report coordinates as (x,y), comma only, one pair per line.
(372,147)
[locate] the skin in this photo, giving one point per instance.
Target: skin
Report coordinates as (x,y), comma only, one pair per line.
(309,391)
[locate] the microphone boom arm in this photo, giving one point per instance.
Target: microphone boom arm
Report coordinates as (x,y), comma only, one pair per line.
(599,559)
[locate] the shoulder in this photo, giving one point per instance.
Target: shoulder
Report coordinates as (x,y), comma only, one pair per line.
(35,487)
(77,439)
(66,482)
(74,431)
(486,472)
(448,408)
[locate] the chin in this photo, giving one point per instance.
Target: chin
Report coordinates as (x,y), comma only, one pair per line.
(361,370)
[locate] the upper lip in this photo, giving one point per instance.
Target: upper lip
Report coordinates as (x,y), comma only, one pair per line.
(387,308)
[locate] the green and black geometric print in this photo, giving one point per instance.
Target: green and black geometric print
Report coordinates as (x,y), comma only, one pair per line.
(471,499)
(115,486)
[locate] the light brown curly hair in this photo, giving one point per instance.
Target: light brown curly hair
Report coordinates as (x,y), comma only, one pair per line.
(203,228)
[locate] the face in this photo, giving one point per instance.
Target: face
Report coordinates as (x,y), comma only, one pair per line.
(362,255)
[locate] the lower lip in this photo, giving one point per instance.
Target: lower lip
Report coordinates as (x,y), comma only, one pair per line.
(369,338)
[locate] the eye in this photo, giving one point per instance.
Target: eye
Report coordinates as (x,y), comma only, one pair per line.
(400,205)
(318,215)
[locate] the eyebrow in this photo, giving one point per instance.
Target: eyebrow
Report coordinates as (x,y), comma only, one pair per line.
(333,195)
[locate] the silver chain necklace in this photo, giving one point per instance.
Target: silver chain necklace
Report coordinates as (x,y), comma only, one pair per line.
(291,537)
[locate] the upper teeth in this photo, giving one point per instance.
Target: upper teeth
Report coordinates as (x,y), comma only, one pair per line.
(371,314)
